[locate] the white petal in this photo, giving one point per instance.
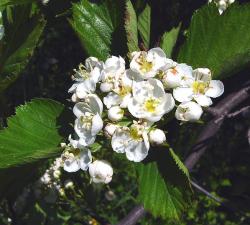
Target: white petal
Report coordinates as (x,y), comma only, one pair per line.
(115,113)
(188,111)
(84,88)
(80,108)
(216,89)
(203,100)
(106,87)
(85,159)
(183,94)
(97,124)
(95,104)
(168,103)
(136,151)
(71,165)
(112,99)
(119,140)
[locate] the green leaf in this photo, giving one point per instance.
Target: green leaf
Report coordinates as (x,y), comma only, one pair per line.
(218,42)
(96,24)
(144,20)
(32,134)
(179,163)
(169,39)
(163,188)
(157,195)
(5,3)
(20,39)
(131,27)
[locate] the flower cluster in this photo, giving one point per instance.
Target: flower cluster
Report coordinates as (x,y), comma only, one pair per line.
(222,4)
(108,95)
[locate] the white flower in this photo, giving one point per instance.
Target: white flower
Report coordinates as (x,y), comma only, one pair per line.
(122,91)
(109,129)
(100,171)
(113,68)
(148,64)
(133,141)
(89,121)
(86,78)
(157,137)
(150,101)
(188,111)
(115,113)
(201,88)
(177,76)
(75,159)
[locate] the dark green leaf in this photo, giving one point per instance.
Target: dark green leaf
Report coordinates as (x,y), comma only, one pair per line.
(96,24)
(157,195)
(144,21)
(219,42)
(33,133)
(20,39)
(131,27)
(163,187)
(169,39)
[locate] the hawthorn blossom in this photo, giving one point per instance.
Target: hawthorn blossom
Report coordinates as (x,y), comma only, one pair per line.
(76,159)
(121,92)
(113,68)
(89,121)
(150,101)
(201,88)
(133,141)
(188,111)
(148,64)
(177,75)
(100,171)
(86,78)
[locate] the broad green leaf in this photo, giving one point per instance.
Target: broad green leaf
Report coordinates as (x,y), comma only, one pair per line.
(163,187)
(169,39)
(96,25)
(20,39)
(157,195)
(218,42)
(144,21)
(32,134)
(131,27)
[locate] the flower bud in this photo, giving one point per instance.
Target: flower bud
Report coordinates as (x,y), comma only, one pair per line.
(188,111)
(115,113)
(110,195)
(100,171)
(157,137)
(109,130)
(57,174)
(68,184)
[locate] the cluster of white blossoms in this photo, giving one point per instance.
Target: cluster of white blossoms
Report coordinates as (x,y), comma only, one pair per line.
(106,95)
(222,4)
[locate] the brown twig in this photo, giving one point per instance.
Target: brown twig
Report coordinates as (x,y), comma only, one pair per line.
(219,112)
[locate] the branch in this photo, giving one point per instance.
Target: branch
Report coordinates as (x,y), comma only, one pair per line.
(135,214)
(219,112)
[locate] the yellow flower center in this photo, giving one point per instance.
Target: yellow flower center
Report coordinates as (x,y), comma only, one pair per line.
(124,90)
(135,133)
(151,105)
(145,66)
(199,87)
